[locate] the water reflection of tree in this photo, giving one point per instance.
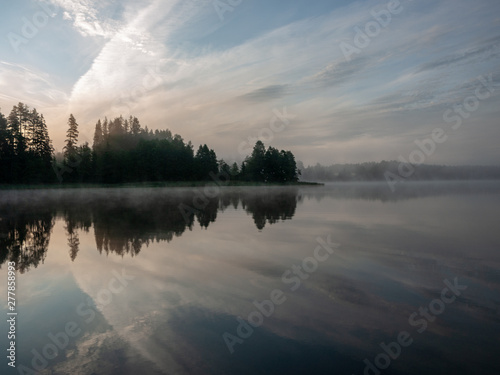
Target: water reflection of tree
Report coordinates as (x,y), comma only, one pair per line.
(75,218)
(124,229)
(24,238)
(123,224)
(73,239)
(270,207)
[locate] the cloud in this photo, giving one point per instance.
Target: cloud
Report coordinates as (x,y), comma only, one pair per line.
(87,17)
(267,93)
(19,83)
(488,49)
(167,63)
(341,71)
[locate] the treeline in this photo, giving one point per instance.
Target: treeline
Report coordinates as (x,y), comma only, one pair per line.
(122,152)
(26,152)
(374,171)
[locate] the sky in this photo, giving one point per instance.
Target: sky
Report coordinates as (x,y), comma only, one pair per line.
(332,81)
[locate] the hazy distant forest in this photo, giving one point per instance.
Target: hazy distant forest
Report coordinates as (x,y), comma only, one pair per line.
(123,152)
(376,171)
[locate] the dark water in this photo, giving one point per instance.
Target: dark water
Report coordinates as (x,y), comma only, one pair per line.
(166,281)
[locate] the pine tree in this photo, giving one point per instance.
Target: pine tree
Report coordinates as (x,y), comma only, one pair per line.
(126,126)
(42,145)
(23,118)
(6,151)
(135,126)
(16,123)
(206,162)
(255,163)
(235,171)
(98,135)
(105,128)
(5,135)
(116,126)
(85,163)
(30,129)
(71,138)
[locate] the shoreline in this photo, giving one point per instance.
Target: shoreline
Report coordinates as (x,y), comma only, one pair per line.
(152,185)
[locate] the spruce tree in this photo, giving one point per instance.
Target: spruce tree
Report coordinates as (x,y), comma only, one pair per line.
(41,143)
(98,135)
(71,138)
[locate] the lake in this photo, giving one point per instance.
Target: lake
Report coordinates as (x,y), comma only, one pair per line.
(336,279)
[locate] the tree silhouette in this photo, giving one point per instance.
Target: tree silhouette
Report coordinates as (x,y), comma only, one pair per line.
(269,165)
(26,150)
(71,139)
(122,151)
(205,162)
(25,237)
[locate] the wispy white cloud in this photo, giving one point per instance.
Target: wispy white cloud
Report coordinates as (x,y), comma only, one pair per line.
(87,17)
(20,83)
(150,64)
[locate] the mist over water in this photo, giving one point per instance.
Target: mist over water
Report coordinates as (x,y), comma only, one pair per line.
(154,277)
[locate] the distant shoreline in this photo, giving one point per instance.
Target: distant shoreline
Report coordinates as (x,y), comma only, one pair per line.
(195,184)
(155,185)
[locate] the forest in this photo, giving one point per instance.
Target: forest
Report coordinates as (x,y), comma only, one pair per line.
(125,152)
(122,152)
(378,171)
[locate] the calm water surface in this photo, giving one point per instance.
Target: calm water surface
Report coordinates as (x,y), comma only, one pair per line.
(168,281)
